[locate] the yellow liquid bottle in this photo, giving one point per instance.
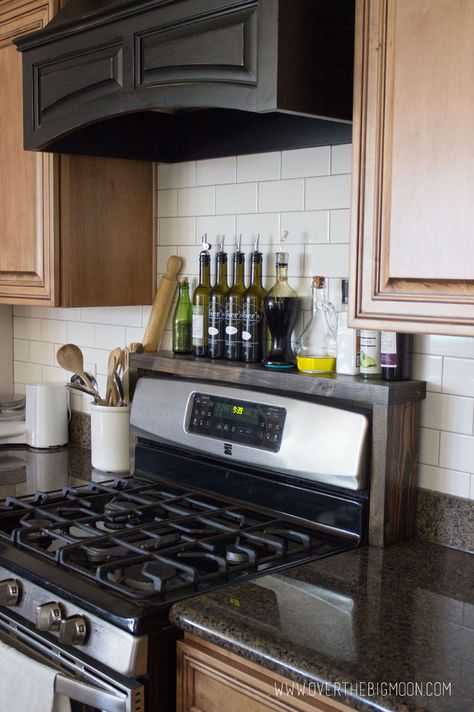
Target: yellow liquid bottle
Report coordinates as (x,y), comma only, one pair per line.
(316,347)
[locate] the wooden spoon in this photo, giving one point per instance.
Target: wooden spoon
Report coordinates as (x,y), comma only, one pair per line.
(70,358)
(115,359)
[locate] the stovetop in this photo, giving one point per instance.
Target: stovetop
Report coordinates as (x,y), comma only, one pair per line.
(144,545)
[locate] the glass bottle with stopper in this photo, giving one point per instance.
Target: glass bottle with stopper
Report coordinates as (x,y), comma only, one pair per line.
(233,307)
(217,299)
(201,301)
(316,347)
(254,324)
(281,307)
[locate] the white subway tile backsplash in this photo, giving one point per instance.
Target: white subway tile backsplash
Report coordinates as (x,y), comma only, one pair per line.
(234,199)
(265,224)
(81,334)
(196,201)
(217,171)
(167,203)
(54,373)
(281,196)
(176,231)
(54,331)
(258,166)
(308,226)
(213,226)
(26,328)
(461,346)
(328,192)
(443,480)
(95,315)
(126,316)
(306,162)
(326,260)
(21,350)
(458,376)
(26,372)
(109,337)
(177,175)
(450,413)
(429,446)
(190,256)
(429,369)
(456,452)
(339,225)
(97,359)
(42,352)
(341,158)
(134,334)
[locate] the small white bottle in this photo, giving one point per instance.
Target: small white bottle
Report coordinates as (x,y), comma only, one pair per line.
(348,340)
(370,354)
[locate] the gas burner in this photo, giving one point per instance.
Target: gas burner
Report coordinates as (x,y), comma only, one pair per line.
(159,572)
(235,555)
(35,533)
(135,579)
(119,514)
(103,551)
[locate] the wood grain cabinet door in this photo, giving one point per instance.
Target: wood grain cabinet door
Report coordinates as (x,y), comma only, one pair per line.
(27,251)
(210,679)
(412,254)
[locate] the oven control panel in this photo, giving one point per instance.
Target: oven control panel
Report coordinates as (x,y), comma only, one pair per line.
(234,420)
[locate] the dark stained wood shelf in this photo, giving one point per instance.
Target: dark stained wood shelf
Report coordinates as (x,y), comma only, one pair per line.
(354,388)
(395,426)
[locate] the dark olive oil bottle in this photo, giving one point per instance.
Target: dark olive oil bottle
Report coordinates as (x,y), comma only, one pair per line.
(201,306)
(233,308)
(396,355)
(217,298)
(254,323)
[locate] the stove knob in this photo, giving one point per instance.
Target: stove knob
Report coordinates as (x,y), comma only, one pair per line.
(73,631)
(48,616)
(10,590)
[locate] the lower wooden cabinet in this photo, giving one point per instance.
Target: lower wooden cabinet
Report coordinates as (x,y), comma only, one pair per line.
(210,679)
(76,230)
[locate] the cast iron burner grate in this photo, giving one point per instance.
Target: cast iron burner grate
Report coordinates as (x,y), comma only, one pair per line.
(144,542)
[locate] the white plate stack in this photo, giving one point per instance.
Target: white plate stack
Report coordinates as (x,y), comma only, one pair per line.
(12,419)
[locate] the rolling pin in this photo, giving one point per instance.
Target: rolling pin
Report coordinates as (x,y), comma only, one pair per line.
(162,304)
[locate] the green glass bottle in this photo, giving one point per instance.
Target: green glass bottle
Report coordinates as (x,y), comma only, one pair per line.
(217,297)
(254,323)
(182,320)
(233,307)
(201,306)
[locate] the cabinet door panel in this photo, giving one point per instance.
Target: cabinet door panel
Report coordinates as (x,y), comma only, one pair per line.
(412,265)
(27,242)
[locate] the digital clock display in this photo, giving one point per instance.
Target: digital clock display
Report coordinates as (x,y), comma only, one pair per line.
(236,412)
(252,424)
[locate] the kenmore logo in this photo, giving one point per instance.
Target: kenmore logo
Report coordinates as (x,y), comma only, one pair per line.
(227,449)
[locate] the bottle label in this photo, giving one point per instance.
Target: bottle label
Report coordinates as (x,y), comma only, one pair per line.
(198,323)
(388,349)
(252,331)
(369,352)
(216,327)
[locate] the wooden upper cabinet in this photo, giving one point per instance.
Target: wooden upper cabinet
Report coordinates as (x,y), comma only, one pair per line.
(75,231)
(412,255)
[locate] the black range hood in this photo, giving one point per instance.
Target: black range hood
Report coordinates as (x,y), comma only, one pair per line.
(174,80)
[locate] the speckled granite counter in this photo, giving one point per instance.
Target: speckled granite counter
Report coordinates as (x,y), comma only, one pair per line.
(24,471)
(402,615)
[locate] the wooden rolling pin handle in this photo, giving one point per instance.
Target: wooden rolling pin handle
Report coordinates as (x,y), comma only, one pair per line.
(162,305)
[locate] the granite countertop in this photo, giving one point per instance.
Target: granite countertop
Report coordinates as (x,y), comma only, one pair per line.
(401,615)
(24,471)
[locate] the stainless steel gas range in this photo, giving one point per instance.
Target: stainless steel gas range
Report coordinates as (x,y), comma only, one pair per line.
(228,484)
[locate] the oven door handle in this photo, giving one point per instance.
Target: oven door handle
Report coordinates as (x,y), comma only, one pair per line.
(89,695)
